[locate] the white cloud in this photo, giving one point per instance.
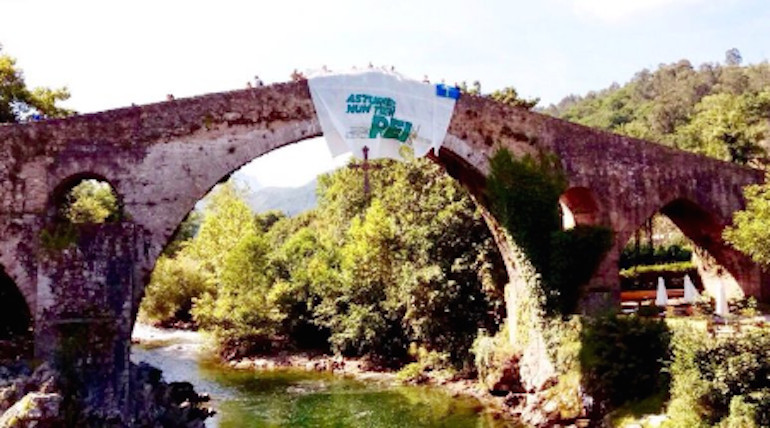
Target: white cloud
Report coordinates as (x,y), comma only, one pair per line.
(617,11)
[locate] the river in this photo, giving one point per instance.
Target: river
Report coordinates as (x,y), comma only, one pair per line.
(294,398)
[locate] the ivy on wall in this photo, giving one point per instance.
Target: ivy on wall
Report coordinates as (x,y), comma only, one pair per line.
(523,194)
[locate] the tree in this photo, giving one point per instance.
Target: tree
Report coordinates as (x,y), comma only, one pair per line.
(241,314)
(91,201)
(174,284)
(728,127)
(510,96)
(507,95)
(749,232)
(716,110)
(18,102)
(733,57)
(226,218)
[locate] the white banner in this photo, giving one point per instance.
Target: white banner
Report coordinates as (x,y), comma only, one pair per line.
(383,111)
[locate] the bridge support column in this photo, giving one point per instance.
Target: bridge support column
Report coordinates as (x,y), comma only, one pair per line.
(602,292)
(85,311)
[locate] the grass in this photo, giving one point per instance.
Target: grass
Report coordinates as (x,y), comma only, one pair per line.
(634,413)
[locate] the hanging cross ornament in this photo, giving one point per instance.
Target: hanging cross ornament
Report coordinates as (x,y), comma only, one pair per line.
(366,166)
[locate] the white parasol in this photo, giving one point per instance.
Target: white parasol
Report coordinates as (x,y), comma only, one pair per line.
(690,293)
(722,309)
(661,297)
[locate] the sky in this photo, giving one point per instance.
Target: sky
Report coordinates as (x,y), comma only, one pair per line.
(114,53)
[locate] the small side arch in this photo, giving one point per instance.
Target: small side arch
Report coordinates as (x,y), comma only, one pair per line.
(16,321)
(60,198)
(579,206)
(719,265)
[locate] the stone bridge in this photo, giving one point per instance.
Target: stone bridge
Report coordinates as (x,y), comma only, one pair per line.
(83,283)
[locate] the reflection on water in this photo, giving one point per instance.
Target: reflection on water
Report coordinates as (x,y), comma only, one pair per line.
(292,398)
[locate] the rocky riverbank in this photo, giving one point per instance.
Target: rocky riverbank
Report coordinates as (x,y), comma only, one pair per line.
(32,397)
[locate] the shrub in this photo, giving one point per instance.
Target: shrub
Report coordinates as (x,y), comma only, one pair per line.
(492,354)
(623,358)
(720,381)
(174,284)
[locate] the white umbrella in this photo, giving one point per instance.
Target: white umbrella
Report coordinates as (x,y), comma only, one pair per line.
(661,297)
(690,293)
(722,310)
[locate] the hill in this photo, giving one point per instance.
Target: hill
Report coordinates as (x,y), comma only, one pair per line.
(720,110)
(289,200)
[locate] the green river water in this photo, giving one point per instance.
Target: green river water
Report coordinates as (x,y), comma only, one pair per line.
(294,398)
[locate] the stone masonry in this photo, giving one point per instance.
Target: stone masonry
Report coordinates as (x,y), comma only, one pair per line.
(84,286)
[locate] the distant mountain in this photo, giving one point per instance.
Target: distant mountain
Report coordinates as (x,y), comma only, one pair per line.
(290,200)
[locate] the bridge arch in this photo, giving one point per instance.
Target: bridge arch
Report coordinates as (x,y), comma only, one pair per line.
(718,263)
(16,320)
(579,206)
(59,199)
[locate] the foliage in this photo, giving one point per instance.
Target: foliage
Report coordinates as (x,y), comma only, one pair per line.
(508,95)
(225,218)
(429,364)
(717,110)
(91,201)
(412,263)
(58,236)
(18,102)
(623,358)
(242,316)
(524,196)
(575,254)
(677,267)
(720,381)
(174,283)
(653,255)
(192,264)
(646,277)
(419,274)
(749,232)
(491,354)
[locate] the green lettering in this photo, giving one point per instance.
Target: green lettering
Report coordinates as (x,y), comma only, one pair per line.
(379,124)
(394,130)
(351,98)
(358,108)
(405,134)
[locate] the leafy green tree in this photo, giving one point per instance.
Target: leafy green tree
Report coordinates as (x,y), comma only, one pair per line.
(304,266)
(18,102)
(91,201)
(226,218)
(510,96)
(715,110)
(729,127)
(360,316)
(174,284)
(194,265)
(242,314)
(749,232)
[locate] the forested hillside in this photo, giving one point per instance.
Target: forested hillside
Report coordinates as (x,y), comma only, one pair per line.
(719,110)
